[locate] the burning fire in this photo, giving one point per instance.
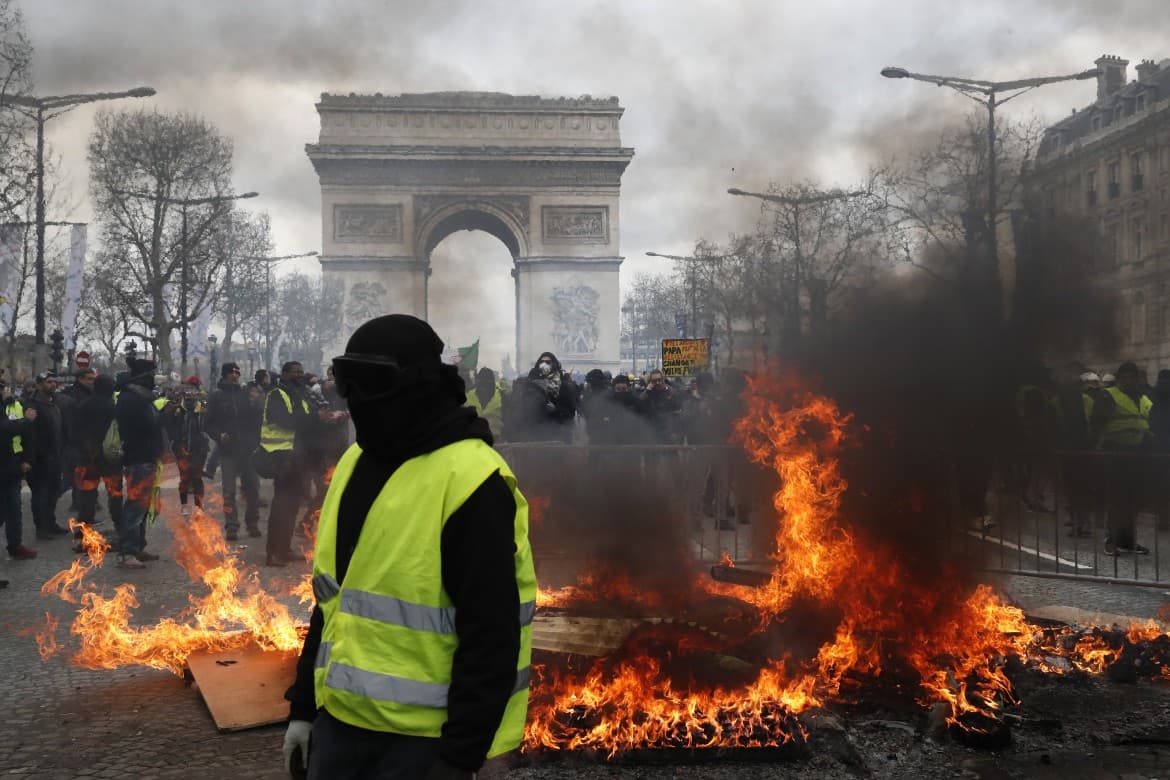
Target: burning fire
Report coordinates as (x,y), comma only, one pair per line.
(951,640)
(234,611)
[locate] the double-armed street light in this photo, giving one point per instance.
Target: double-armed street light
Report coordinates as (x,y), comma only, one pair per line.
(987,94)
(184,204)
(268,262)
(44,109)
(692,275)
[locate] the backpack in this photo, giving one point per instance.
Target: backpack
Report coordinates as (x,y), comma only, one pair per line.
(112,445)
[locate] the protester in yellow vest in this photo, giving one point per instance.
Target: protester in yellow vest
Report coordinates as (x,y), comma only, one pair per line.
(416,663)
(1122,415)
(487,400)
(15,463)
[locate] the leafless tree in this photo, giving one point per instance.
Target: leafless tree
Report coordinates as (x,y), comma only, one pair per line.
(17,154)
(243,281)
(937,200)
(141,163)
(308,321)
(649,313)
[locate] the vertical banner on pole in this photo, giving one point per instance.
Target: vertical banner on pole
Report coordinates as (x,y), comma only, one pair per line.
(11,249)
(73,281)
(197,338)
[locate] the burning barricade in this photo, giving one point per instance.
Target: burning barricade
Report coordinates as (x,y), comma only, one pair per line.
(725,663)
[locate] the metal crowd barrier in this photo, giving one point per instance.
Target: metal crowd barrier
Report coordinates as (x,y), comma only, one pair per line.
(605,500)
(1052,513)
(583,497)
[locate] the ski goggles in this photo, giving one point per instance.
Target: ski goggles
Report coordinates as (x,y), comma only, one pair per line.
(367,377)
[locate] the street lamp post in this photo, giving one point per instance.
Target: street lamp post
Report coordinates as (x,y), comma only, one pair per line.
(268,261)
(692,276)
(986,94)
(43,109)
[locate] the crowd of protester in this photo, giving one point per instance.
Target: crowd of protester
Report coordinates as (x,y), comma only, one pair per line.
(117,433)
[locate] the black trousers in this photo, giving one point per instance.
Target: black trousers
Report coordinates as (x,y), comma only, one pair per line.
(237,468)
(45,483)
(289,491)
(339,751)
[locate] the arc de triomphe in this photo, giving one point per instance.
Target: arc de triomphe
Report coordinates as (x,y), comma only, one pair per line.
(400,173)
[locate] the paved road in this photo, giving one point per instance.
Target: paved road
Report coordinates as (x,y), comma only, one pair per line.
(60,721)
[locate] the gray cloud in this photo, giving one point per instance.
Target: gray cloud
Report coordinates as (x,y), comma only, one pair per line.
(717,95)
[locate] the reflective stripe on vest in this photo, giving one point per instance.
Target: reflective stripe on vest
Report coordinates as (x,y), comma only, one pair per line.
(273,437)
(16,412)
(1128,423)
(389,641)
(387,687)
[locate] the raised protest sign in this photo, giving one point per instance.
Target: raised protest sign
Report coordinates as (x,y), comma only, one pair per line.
(684,357)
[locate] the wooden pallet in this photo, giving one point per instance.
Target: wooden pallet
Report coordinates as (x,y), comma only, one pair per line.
(244,689)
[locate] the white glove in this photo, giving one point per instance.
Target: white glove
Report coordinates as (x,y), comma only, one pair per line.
(297,736)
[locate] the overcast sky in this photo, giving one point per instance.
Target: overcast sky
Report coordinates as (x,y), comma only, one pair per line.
(718,93)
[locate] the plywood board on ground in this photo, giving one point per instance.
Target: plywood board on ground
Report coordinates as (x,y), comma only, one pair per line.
(587,636)
(244,689)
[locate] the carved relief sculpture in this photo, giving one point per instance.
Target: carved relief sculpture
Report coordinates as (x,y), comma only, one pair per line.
(576,223)
(365,301)
(367,222)
(575,313)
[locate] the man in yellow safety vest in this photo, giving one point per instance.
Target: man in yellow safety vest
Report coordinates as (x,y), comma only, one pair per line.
(15,463)
(286,418)
(416,664)
(1122,415)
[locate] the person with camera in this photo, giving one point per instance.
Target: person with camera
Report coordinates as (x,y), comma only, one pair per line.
(545,404)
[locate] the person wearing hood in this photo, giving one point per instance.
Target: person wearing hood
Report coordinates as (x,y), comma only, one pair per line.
(233,423)
(94,415)
(488,401)
(142,448)
(416,662)
(545,404)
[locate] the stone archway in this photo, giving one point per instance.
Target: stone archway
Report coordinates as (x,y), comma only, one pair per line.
(543,175)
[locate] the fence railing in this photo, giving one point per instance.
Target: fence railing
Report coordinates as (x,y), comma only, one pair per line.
(1048,514)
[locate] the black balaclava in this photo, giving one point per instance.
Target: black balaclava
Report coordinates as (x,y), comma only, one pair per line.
(432,395)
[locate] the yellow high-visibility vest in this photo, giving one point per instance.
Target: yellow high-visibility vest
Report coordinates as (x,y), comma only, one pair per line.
(16,412)
(1129,423)
(272,437)
(493,411)
(389,638)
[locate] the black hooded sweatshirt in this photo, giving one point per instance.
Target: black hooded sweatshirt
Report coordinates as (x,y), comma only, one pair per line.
(478,570)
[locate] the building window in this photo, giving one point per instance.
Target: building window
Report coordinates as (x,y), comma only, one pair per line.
(1097,122)
(1137,321)
(1114,180)
(1137,244)
(1140,104)
(1091,187)
(1137,170)
(1112,244)
(1165,161)
(1164,226)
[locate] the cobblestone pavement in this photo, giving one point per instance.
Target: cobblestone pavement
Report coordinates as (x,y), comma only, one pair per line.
(63,722)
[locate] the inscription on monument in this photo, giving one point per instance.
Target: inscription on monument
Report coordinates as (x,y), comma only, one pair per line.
(575,223)
(575,310)
(367,222)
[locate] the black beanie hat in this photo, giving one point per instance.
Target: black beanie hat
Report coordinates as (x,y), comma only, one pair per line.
(407,339)
(104,385)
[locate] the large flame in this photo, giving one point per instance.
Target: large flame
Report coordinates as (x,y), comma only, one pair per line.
(232,610)
(953,638)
